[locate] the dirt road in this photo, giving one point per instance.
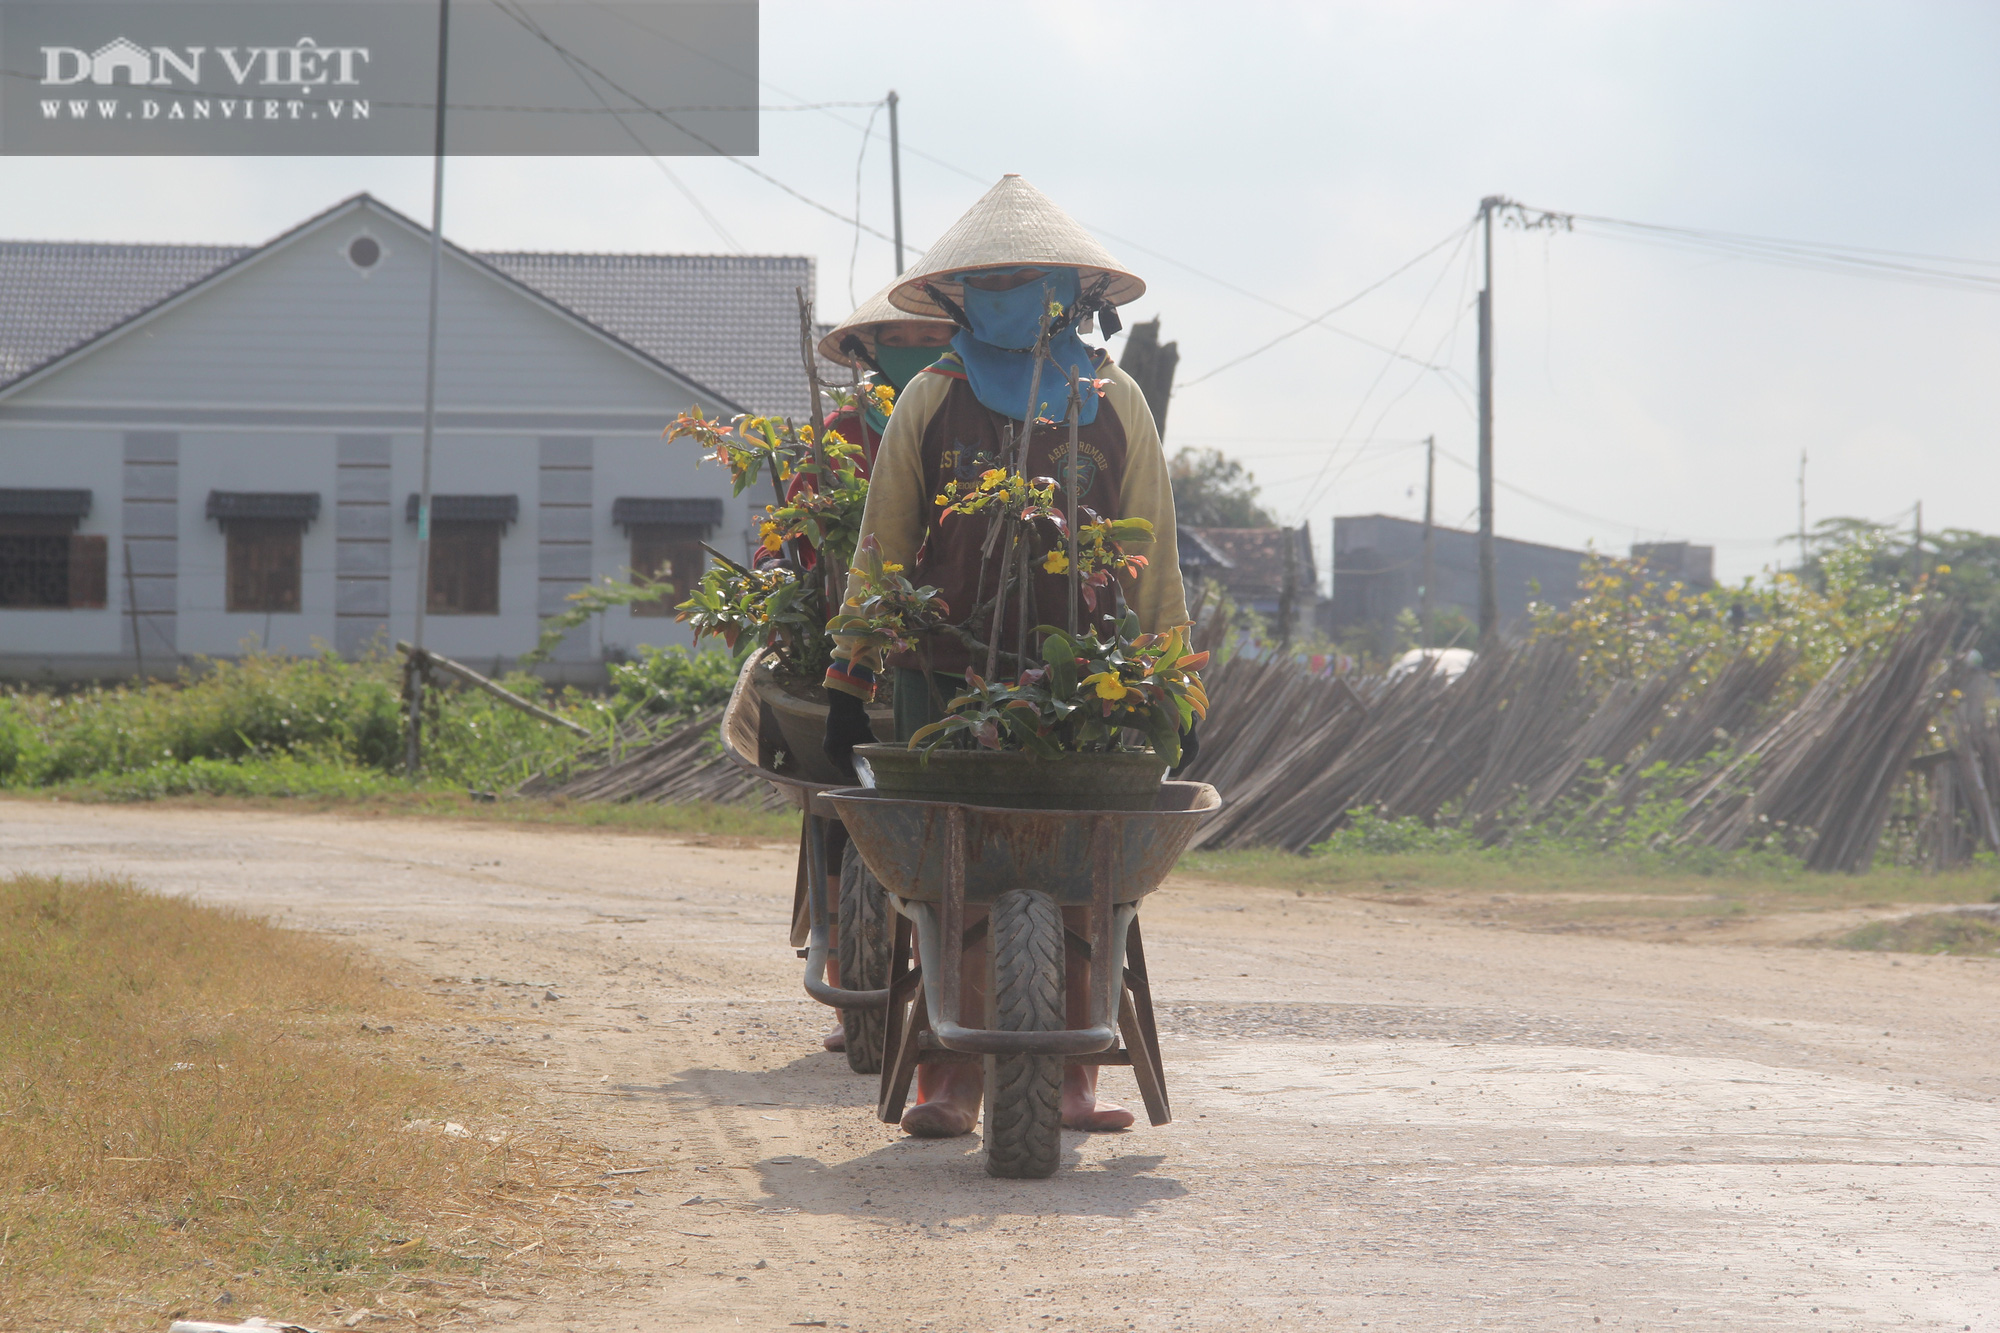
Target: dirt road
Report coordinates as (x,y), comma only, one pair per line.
(1386,1120)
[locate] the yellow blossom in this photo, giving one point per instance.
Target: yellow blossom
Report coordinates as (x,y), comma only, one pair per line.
(1057,563)
(1108,685)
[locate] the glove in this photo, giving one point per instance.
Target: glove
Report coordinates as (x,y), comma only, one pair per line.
(1190,748)
(846,727)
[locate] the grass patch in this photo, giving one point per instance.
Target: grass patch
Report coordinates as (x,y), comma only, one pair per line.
(1970,933)
(1551,888)
(395,799)
(194,1102)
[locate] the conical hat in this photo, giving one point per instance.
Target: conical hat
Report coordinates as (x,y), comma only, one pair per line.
(867,317)
(1014,224)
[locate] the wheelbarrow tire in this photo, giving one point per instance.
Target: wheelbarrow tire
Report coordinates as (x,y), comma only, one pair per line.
(1024,1092)
(866,934)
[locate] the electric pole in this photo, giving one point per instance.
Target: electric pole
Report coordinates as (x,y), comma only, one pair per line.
(1428,596)
(896,179)
(1489,594)
(413,756)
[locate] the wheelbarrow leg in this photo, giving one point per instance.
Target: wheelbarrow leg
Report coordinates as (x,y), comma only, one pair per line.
(801,892)
(907,1022)
(1142,1039)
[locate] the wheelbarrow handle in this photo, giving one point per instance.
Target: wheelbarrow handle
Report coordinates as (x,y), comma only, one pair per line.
(942,1005)
(819,942)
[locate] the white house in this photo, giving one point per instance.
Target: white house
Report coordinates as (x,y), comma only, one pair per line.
(205,448)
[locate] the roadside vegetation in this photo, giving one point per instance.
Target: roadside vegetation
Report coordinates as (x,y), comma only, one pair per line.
(203,1115)
(319,728)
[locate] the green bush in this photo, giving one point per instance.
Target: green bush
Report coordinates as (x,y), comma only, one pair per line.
(275,725)
(672,681)
(261,705)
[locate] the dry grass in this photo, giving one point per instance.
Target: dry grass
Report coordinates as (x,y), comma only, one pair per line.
(194,1102)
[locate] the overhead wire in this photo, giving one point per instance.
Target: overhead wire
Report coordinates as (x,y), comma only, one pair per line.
(1817,256)
(1457,234)
(854,253)
(1313,490)
(640,105)
(671,175)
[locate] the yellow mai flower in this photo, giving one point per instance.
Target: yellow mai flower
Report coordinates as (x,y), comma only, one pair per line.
(772,540)
(990,474)
(1108,685)
(1057,563)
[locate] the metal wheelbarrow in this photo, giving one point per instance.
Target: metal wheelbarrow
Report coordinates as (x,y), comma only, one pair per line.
(939,862)
(754,742)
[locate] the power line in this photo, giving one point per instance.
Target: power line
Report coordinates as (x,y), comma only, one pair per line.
(1815,256)
(1336,308)
(1314,490)
(638,104)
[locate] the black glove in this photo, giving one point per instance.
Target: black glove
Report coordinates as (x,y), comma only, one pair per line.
(1190,748)
(846,727)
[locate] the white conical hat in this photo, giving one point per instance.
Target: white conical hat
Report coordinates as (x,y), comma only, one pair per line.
(870,315)
(1012,225)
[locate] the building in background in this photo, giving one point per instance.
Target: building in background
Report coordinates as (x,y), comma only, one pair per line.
(1678,562)
(1378,569)
(1266,570)
(204,448)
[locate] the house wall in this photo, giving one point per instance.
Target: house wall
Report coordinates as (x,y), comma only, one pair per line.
(299,373)
(1378,565)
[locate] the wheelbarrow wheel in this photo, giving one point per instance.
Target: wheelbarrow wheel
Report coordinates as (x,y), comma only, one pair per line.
(1024,1092)
(866,933)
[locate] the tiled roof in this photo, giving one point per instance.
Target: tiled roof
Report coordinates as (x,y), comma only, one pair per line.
(727,322)
(56,294)
(1256,557)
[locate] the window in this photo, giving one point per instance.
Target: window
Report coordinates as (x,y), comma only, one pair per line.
(668,553)
(667,533)
(263,563)
(264,530)
(44,562)
(465,568)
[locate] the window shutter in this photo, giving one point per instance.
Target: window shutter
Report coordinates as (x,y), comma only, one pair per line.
(87,565)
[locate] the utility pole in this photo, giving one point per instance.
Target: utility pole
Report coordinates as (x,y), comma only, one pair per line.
(896,178)
(1489,594)
(1802,513)
(413,756)
(1288,589)
(1428,595)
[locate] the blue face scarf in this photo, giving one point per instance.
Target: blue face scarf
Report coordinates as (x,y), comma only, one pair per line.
(899,365)
(997,350)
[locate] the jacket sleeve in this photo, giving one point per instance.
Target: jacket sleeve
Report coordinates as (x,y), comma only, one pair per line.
(1155,593)
(894,517)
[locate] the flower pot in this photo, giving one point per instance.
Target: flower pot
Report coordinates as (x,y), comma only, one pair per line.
(799,709)
(1017,780)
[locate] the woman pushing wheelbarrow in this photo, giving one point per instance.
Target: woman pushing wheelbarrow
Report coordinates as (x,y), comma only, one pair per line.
(1018,574)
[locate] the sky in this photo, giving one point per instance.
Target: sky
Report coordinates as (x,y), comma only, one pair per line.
(1259,163)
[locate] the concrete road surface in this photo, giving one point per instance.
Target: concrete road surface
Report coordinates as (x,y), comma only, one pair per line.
(1386,1120)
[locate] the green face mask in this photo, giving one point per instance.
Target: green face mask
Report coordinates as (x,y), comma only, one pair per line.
(902,364)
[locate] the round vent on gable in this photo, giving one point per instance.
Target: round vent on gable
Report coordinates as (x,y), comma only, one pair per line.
(364,252)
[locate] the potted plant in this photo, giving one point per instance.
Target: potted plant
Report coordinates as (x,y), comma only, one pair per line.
(1092,720)
(779,605)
